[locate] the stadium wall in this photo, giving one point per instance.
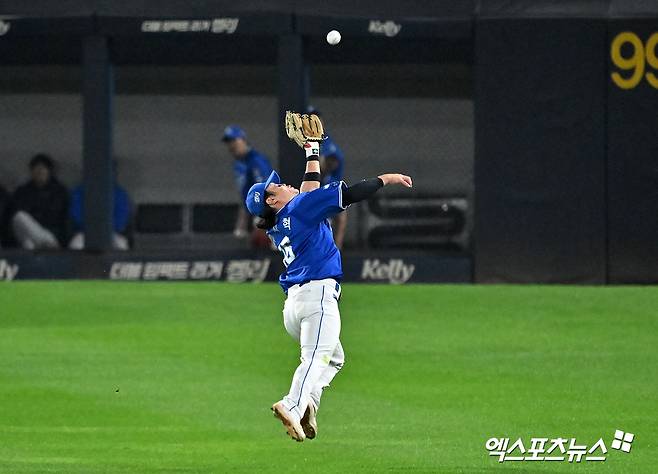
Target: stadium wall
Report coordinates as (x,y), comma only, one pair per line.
(564,176)
(565,142)
(540,166)
(169,145)
(632,130)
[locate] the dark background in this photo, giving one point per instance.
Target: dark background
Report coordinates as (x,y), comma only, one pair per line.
(563,170)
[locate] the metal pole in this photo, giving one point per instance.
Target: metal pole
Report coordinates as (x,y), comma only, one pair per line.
(98,179)
(292,95)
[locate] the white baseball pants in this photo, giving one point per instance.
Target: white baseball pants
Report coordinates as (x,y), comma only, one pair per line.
(311,317)
(30,234)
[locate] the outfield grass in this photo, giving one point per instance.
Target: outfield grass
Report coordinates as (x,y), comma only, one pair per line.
(141,378)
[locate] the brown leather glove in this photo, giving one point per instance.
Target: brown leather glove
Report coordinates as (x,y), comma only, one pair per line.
(302,128)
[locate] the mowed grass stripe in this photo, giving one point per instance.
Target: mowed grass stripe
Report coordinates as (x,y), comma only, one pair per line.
(179,377)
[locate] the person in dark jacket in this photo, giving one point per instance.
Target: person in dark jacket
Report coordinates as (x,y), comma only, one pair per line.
(39,208)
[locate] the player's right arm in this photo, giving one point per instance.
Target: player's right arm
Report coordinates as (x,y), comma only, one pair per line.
(396,178)
(332,198)
(365,189)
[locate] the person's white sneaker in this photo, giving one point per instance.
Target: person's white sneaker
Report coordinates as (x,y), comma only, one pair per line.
(292,426)
(309,422)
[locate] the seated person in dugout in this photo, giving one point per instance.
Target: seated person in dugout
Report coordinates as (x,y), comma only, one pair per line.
(39,208)
(121,216)
(4,200)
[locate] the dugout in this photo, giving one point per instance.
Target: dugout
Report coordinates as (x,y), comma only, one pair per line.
(150,68)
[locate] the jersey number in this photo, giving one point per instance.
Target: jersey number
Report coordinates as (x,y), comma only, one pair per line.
(285,247)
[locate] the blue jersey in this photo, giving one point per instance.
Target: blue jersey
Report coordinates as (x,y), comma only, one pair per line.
(253,168)
(120,214)
(328,148)
(303,235)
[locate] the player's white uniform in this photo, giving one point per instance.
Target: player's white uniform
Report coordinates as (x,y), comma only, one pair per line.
(302,233)
(311,317)
(311,281)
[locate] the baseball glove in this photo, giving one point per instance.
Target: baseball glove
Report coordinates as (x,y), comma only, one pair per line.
(302,128)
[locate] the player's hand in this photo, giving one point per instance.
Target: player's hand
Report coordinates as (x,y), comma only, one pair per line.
(303,128)
(396,178)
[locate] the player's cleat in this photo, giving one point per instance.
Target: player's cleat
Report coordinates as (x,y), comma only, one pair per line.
(309,422)
(292,426)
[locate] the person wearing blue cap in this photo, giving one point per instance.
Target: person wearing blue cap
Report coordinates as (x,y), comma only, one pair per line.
(249,167)
(332,164)
(296,221)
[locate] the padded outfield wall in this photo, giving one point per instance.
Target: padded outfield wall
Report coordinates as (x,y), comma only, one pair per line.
(566,142)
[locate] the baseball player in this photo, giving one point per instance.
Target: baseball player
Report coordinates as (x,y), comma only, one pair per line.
(297,223)
(249,167)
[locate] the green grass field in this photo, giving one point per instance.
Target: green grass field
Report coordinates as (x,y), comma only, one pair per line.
(140,378)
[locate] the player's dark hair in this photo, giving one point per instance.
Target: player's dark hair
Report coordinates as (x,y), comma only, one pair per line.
(267,220)
(42,159)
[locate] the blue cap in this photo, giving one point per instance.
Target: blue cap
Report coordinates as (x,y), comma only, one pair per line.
(232,132)
(256,196)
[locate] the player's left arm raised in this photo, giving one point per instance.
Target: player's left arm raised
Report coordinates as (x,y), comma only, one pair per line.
(307,131)
(311,179)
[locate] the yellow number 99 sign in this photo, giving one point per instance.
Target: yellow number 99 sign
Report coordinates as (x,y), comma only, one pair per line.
(642,55)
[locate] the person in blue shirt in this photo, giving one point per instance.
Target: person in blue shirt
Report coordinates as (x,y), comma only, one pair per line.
(332,164)
(332,161)
(121,215)
(296,221)
(249,167)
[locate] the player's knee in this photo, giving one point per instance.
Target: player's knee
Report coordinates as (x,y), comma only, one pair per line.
(320,358)
(338,360)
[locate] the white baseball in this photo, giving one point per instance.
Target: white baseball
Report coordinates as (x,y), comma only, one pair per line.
(333,37)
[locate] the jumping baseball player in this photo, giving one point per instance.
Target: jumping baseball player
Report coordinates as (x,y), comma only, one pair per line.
(297,222)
